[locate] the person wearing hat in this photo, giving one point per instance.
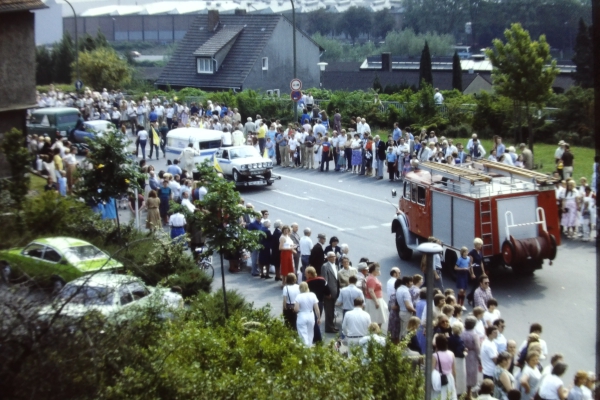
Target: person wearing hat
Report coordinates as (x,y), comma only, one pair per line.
(317,254)
(363,271)
(527,156)
(559,151)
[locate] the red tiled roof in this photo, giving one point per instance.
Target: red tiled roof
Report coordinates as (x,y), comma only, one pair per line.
(20,5)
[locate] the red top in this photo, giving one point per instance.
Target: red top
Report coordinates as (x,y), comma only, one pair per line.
(373,283)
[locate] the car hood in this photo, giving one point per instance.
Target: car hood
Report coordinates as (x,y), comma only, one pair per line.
(249,160)
(100,264)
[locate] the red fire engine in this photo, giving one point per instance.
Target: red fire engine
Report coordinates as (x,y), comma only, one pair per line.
(513,210)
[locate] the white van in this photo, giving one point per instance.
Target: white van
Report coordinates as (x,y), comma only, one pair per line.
(207,141)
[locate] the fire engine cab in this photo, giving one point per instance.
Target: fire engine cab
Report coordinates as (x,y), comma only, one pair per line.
(513,210)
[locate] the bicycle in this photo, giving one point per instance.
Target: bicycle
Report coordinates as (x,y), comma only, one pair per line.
(204,262)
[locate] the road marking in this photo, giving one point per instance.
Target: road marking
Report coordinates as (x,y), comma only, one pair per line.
(386,224)
(330,188)
(369,227)
(314,198)
(301,215)
(290,195)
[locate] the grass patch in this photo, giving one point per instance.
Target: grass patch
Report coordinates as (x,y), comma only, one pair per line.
(36,183)
(543,156)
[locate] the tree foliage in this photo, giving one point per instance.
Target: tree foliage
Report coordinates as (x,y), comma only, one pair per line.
(103,68)
(354,21)
(113,172)
(456,73)
(523,70)
(19,160)
(425,71)
(63,57)
(407,43)
(583,57)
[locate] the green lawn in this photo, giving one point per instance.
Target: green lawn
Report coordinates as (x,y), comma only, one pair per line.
(543,156)
(37,184)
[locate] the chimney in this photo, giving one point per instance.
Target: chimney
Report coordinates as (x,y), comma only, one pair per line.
(213,20)
(240,11)
(386,61)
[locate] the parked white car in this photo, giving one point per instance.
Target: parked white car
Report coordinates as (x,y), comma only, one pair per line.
(109,294)
(244,165)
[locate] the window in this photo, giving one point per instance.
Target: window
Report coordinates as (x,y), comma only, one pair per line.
(407,190)
(51,255)
(205,65)
(211,144)
(421,195)
(34,250)
(125,296)
(67,119)
(413,193)
(265,63)
(138,290)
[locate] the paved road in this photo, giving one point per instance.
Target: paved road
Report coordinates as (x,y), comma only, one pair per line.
(561,297)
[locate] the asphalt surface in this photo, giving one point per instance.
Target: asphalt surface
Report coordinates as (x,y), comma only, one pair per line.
(355,208)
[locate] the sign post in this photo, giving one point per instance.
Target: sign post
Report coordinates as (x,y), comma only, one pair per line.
(296,86)
(296,95)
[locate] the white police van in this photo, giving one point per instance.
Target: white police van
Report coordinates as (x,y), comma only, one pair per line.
(207,141)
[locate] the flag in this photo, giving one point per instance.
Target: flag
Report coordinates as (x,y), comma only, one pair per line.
(216,165)
(155,137)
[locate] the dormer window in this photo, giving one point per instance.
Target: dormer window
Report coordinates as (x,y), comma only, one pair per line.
(204,65)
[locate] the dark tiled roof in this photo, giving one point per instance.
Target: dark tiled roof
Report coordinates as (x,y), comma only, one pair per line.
(363,80)
(20,5)
(181,70)
(218,41)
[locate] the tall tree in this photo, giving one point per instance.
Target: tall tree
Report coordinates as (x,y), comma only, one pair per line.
(582,58)
(18,159)
(354,21)
(523,70)
(383,22)
(425,73)
(377,85)
(63,55)
(103,68)
(456,73)
(43,66)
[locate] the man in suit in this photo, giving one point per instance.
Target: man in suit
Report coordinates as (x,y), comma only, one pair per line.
(275,252)
(317,254)
(379,155)
(329,272)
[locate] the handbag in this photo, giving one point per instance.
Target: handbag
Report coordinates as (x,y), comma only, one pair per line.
(443,377)
(289,306)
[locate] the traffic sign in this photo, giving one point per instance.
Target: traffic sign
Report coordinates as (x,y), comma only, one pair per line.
(296,84)
(296,95)
(78,85)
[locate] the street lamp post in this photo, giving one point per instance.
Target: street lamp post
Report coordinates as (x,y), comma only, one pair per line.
(322,66)
(76,44)
(429,249)
(294,51)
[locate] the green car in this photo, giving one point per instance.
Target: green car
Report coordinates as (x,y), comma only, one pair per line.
(55,260)
(53,120)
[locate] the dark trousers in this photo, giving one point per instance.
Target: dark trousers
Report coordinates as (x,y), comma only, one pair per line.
(317,330)
(277,155)
(478,271)
(261,145)
(391,171)
(325,160)
(335,154)
(330,314)
(348,153)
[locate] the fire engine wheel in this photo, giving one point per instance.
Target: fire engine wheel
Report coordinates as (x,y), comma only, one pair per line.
(403,251)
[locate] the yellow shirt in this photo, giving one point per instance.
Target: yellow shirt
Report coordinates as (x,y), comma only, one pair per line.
(58,162)
(262,132)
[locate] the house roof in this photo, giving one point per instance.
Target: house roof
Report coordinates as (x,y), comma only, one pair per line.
(363,80)
(20,5)
(236,65)
(218,41)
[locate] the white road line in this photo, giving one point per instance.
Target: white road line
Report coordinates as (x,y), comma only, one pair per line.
(387,224)
(314,198)
(369,227)
(300,215)
(290,195)
(337,190)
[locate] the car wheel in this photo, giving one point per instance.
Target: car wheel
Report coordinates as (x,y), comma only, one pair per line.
(403,251)
(5,270)
(236,176)
(267,175)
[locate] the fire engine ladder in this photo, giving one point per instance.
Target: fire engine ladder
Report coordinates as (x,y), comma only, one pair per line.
(455,173)
(501,168)
(486,227)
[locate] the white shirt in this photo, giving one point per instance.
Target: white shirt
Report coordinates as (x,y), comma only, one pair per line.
(490,317)
(306,301)
(177,220)
(390,287)
(143,135)
(238,138)
(176,188)
(341,141)
(305,245)
(347,296)
(480,329)
(549,387)
(438,98)
(501,342)
(293,291)
(227,138)
(356,323)
(559,153)
(487,354)
(293,144)
(201,193)
(402,296)
(187,203)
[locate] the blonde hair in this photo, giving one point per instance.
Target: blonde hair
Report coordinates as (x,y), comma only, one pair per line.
(311,271)
(477,241)
(457,328)
(413,324)
(374,328)
(463,249)
(303,287)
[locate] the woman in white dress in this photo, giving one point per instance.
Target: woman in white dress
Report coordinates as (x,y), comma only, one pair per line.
(569,204)
(305,305)
(529,380)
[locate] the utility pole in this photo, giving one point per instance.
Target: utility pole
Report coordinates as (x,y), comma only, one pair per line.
(294,47)
(76,45)
(596,72)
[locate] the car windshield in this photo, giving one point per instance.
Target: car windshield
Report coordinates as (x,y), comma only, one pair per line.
(243,152)
(87,252)
(87,295)
(39,119)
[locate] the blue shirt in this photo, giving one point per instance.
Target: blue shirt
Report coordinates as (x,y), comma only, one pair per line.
(397,133)
(305,119)
(391,157)
(282,140)
(254,226)
(174,169)
(500,149)
(153,117)
(463,262)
